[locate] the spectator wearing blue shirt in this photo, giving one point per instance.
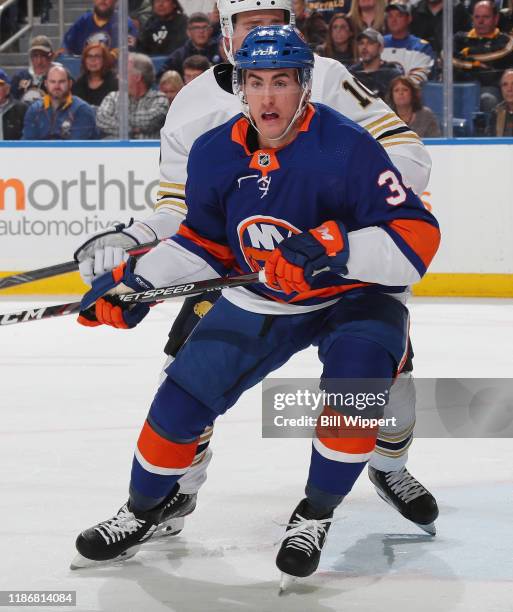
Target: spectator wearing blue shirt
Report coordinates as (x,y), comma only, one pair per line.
(415,55)
(59,115)
(98,25)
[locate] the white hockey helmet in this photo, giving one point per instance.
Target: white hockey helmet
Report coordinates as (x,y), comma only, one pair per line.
(229,8)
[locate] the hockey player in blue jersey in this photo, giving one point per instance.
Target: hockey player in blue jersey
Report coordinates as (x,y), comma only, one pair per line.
(308,195)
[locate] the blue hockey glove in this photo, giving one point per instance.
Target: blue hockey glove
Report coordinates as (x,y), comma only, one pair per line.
(292,266)
(98,308)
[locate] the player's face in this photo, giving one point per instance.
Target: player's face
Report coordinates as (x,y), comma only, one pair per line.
(245,22)
(40,62)
(507,88)
(397,22)
(401,95)
(368,50)
(340,32)
(273,97)
(163,8)
(58,84)
(483,19)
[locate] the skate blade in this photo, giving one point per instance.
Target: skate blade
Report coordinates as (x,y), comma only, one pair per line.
(171,527)
(285,582)
(81,562)
(429,528)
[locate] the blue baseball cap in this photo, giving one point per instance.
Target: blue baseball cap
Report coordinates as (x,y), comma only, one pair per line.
(4,77)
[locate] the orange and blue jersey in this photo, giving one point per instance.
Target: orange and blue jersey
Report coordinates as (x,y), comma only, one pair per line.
(243,201)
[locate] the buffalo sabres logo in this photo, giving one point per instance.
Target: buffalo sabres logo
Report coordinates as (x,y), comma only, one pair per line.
(264,160)
(260,235)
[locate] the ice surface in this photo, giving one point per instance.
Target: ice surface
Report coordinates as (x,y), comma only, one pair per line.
(73,400)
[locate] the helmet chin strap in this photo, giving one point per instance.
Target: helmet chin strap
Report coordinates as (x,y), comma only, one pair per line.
(229,50)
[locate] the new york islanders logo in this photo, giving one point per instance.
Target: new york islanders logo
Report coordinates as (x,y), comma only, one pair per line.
(259,235)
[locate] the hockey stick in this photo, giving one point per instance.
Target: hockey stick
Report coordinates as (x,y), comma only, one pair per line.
(62,268)
(152,295)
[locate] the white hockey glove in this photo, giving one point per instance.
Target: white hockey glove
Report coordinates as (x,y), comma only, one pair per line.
(106,250)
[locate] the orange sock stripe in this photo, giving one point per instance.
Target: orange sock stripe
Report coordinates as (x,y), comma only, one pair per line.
(342,437)
(160,452)
(353,446)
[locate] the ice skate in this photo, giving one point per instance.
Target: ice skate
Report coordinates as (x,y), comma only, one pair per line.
(404,493)
(176,507)
(115,539)
(302,544)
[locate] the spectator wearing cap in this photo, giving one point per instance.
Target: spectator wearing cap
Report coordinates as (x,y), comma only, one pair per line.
(59,115)
(170,84)
(415,55)
(371,70)
(193,66)
(165,31)
(200,42)
(428,21)
(483,53)
(367,14)
(98,25)
(404,98)
(501,120)
(339,43)
(97,78)
(28,85)
(12,111)
(147,108)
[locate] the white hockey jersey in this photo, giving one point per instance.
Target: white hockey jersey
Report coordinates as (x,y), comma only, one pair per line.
(206,102)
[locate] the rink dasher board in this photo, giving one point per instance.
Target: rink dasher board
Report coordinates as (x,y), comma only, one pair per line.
(54,194)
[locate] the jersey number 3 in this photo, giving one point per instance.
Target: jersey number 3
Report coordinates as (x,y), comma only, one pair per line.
(398,195)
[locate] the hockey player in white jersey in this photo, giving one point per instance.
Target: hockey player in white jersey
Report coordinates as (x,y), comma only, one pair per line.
(205,103)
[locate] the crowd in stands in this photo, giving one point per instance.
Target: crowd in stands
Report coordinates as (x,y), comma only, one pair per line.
(394,48)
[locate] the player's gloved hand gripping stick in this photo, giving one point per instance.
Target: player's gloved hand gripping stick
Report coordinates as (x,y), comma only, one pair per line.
(101,306)
(293,265)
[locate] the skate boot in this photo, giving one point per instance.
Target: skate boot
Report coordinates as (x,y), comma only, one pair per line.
(404,493)
(176,507)
(117,538)
(302,543)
